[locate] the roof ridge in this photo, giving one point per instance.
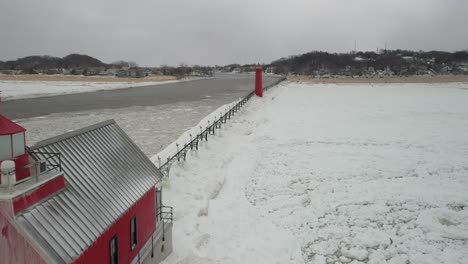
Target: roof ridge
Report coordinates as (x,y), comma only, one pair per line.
(71,134)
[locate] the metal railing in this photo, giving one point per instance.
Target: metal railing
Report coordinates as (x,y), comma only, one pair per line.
(49,158)
(181,153)
(164,215)
(50,161)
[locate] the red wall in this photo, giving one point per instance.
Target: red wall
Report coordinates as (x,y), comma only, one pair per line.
(145,212)
(20,163)
(14,248)
(49,188)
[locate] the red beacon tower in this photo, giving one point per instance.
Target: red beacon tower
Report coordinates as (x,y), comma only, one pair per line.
(13,155)
(258,81)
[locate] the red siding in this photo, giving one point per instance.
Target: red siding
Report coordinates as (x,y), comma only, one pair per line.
(20,163)
(38,194)
(145,212)
(14,248)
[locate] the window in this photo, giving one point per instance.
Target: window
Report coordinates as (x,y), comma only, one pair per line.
(133,232)
(114,257)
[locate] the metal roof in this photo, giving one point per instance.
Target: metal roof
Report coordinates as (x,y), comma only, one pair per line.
(105,172)
(8,127)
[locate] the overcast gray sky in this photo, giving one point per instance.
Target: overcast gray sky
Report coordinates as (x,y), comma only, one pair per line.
(154,32)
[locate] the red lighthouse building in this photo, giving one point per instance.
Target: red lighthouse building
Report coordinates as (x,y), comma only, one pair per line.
(88,196)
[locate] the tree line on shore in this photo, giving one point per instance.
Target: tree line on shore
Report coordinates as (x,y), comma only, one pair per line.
(316,63)
(398,62)
(78,64)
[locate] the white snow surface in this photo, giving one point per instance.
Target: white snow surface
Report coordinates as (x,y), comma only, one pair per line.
(12,90)
(329,174)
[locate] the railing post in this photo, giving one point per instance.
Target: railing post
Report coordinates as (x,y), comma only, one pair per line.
(152,245)
(163,235)
(178,156)
(60,161)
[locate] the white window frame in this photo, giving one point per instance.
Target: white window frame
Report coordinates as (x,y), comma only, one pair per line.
(133,232)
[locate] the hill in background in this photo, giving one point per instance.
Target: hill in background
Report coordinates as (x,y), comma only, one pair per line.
(48,62)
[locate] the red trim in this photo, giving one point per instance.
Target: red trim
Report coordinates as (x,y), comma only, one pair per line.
(25,201)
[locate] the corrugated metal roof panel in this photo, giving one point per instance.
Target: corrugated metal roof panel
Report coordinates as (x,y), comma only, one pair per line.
(106,173)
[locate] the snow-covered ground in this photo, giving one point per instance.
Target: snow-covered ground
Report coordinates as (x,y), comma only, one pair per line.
(329,174)
(30,89)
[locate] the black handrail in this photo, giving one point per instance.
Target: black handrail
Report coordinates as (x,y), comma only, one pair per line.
(165,215)
(182,153)
(49,159)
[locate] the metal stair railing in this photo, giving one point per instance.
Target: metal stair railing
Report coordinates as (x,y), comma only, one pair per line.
(165,216)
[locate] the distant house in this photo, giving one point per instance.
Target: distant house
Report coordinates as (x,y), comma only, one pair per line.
(109,72)
(66,71)
(88,196)
(122,73)
(132,73)
(77,71)
(347,71)
(93,71)
(54,71)
(270,69)
(463,69)
(424,72)
(90,72)
(404,71)
(9,72)
(388,71)
(445,70)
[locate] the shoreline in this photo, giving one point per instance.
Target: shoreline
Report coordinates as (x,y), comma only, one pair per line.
(80,78)
(396,79)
